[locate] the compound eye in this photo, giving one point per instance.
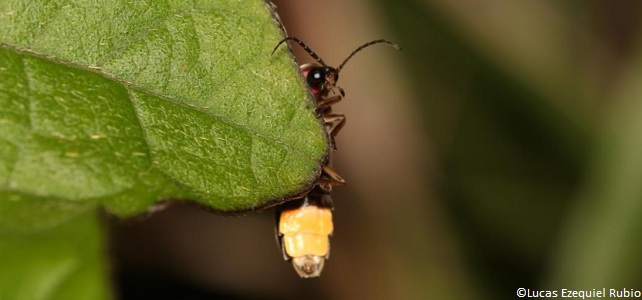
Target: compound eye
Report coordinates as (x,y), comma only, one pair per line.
(316,78)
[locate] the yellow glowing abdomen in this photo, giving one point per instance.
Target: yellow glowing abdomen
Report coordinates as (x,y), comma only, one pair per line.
(305,231)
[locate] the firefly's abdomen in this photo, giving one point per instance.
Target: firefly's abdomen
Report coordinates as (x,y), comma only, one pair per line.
(306,230)
(304,234)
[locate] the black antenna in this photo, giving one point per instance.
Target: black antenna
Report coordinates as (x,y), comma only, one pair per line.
(364,46)
(304,46)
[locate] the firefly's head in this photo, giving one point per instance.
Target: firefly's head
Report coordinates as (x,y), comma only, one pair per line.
(320,77)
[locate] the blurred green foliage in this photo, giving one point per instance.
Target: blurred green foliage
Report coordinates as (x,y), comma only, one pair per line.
(533,109)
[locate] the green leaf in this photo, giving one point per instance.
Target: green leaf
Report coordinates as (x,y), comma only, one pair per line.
(127,103)
(61,262)
(124,103)
(601,243)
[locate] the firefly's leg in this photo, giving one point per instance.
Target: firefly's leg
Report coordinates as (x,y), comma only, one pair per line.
(331,177)
(334,123)
(327,102)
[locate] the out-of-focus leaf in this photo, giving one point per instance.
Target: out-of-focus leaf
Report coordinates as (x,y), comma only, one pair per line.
(64,261)
(602,243)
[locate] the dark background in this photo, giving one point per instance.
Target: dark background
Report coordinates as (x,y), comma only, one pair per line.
(501,149)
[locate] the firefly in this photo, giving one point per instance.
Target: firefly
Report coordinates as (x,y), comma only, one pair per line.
(304,226)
